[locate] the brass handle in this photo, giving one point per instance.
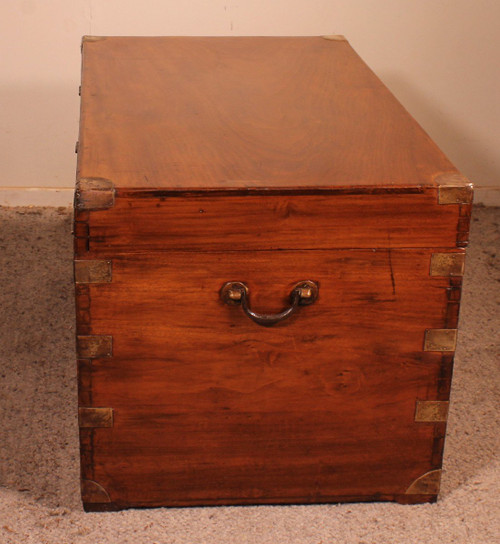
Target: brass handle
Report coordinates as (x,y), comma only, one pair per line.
(303,294)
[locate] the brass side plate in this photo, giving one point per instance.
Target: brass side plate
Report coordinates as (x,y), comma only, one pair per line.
(93,347)
(427,484)
(440,340)
(447,264)
(92,271)
(95,417)
(432,411)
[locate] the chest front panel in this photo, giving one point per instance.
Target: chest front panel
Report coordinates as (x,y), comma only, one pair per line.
(213,408)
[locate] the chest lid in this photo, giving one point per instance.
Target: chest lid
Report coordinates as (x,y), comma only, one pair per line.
(228,112)
(296,118)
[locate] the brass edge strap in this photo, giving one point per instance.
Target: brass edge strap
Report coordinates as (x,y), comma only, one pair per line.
(90,417)
(92,271)
(93,346)
(447,264)
(431,411)
(440,340)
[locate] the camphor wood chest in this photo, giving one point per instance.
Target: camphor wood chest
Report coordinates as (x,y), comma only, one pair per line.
(268,260)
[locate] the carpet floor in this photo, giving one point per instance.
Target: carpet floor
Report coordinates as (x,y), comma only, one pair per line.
(39,470)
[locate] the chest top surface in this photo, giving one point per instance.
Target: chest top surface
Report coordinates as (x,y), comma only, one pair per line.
(244,112)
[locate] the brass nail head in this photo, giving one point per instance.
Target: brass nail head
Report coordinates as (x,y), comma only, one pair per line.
(234,294)
(305,292)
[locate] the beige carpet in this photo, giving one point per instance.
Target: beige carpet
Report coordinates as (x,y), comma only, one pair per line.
(39,497)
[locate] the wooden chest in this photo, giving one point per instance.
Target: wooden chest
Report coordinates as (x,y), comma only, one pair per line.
(268,261)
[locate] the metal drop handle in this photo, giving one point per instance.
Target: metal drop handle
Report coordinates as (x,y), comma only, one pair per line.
(237,293)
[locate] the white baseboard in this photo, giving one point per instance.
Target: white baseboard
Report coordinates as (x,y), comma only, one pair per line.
(487,196)
(36,196)
(63,196)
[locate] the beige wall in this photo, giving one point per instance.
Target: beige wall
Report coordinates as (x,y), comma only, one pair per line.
(441,59)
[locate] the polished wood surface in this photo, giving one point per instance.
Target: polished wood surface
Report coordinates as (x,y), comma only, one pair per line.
(247,222)
(210,408)
(244,112)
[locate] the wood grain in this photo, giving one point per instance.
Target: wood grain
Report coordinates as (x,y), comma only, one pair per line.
(244,112)
(248,222)
(210,408)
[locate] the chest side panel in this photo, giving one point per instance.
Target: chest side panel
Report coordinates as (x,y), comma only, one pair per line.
(209,407)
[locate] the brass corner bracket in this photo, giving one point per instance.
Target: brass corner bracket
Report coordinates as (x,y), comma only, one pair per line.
(94,194)
(454,188)
(88,38)
(92,492)
(89,271)
(440,340)
(89,417)
(93,346)
(431,411)
(447,264)
(427,484)
(335,37)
